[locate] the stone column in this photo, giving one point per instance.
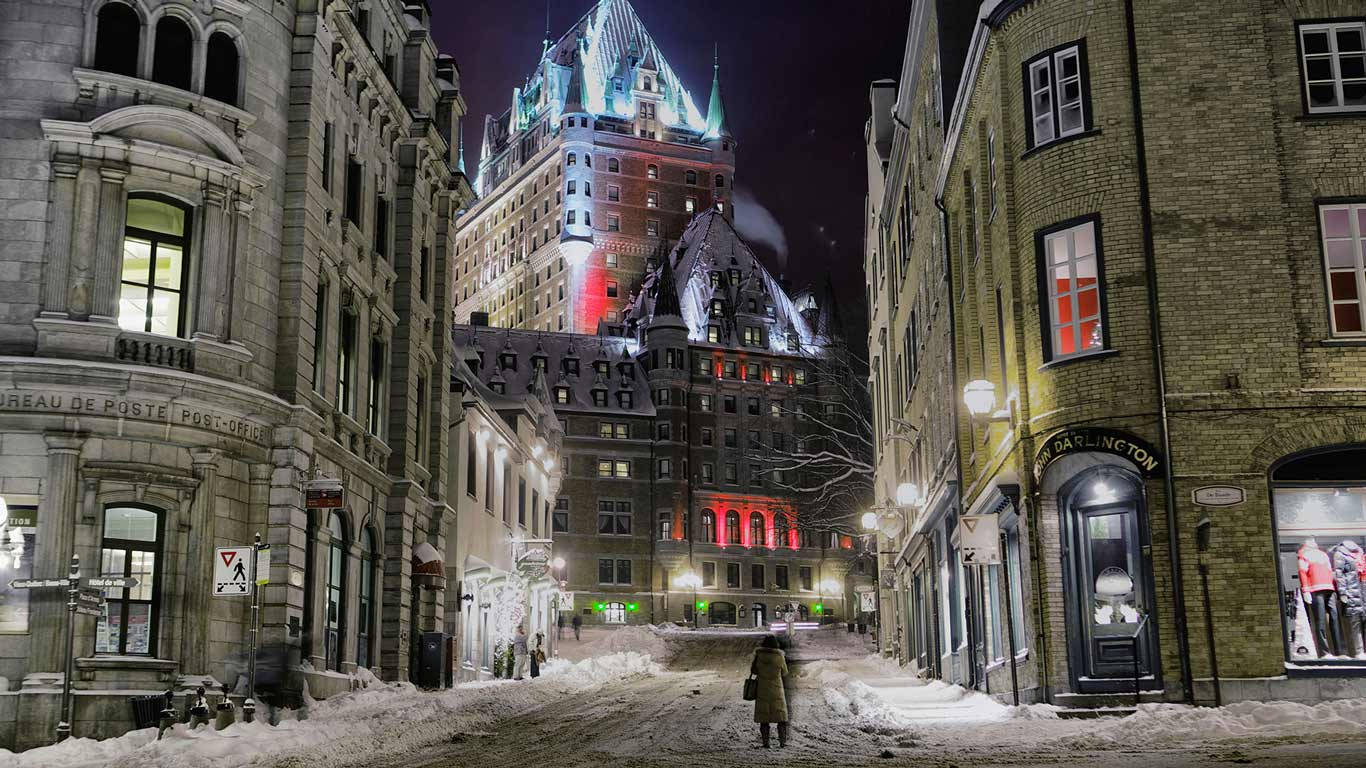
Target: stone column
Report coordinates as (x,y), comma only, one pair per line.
(56,281)
(215,255)
(238,261)
(85,226)
(56,541)
(109,245)
(198,582)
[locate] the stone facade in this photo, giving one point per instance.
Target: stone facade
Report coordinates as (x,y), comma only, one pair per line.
(226,235)
(1172,345)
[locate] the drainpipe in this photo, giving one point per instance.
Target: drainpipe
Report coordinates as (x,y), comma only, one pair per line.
(1159,367)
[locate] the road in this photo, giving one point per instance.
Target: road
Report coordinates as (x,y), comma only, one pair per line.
(692,715)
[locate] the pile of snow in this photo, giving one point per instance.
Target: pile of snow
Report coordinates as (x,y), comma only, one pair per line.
(395,718)
(1174,723)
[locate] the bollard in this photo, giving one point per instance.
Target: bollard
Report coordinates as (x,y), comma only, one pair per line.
(248,711)
(226,714)
(199,713)
(168,715)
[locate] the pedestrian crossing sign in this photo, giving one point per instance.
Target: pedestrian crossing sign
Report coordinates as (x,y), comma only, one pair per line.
(232,571)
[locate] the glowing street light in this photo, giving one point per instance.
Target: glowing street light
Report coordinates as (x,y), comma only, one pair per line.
(979,395)
(869,520)
(908,495)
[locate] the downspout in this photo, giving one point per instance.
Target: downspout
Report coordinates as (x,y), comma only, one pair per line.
(1159,367)
(654,535)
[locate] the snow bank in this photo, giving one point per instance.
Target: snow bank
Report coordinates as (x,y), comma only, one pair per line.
(1155,724)
(394,717)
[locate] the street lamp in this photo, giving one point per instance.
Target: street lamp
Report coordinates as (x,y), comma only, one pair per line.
(869,521)
(693,581)
(979,395)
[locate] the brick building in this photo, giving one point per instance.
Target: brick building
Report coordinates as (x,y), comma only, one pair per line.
(226,238)
(671,420)
(1158,280)
(588,179)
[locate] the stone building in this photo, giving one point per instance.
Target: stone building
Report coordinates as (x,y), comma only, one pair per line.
(590,176)
(1155,287)
(226,232)
(679,422)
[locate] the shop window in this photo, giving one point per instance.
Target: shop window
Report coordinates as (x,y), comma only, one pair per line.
(1071,276)
(722,613)
(335,620)
(1343,228)
(174,43)
(18,529)
(1319,501)
(155,267)
(117,39)
(131,546)
(1058,95)
(614,613)
(365,616)
(1333,64)
(221,69)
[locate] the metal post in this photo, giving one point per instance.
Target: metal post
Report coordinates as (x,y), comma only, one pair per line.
(73,589)
(1010,620)
(1209,634)
(249,705)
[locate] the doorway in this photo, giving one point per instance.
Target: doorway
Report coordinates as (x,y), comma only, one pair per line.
(760,616)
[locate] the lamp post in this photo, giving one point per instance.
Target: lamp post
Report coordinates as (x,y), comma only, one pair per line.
(890,520)
(693,581)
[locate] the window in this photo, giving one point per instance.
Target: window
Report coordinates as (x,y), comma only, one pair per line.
(1334,64)
(652,171)
(613,223)
(991,172)
(752,406)
(600,398)
(625,399)
(1344,238)
(728,437)
(690,204)
(571,159)
(614,430)
(775,408)
(614,518)
(804,576)
(521,501)
(706,436)
(720,181)
(131,547)
(613,165)
(354,174)
(666,526)
(346,362)
(713,334)
(1070,273)
(611,571)
(171,60)
(335,620)
(610,259)
(374,399)
(611,289)
(571,187)
(220,69)
(117,38)
(470,460)
(757,537)
(728,403)
(652,199)
(708,472)
(708,571)
(665,469)
(614,468)
(690,177)
(560,518)
(1057,94)
(709,533)
(571,217)
(733,577)
(365,615)
(652,227)
(780,576)
(704,403)
(562,395)
(155,267)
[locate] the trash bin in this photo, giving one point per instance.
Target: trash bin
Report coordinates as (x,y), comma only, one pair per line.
(146,710)
(851,627)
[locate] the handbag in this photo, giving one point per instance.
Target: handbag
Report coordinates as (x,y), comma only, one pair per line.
(751,688)
(540,656)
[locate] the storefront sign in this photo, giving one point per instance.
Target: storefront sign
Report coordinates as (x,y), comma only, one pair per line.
(1084,439)
(139,409)
(1219,496)
(22,517)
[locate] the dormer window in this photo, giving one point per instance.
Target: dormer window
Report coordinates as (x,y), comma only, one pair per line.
(771,310)
(715,279)
(625,400)
(717,307)
(616,84)
(753,336)
(562,395)
(600,398)
(628,370)
(538,364)
(571,366)
(649,86)
(753,306)
(713,334)
(734,275)
(601,367)
(499,387)
(792,342)
(508,361)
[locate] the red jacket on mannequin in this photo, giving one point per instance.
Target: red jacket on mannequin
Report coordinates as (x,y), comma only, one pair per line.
(1316,569)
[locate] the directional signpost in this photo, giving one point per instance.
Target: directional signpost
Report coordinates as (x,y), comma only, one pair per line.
(83,596)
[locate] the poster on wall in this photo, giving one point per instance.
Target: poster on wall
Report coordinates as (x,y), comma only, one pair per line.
(17,535)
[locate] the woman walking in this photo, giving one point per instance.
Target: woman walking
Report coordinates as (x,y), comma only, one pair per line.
(770,703)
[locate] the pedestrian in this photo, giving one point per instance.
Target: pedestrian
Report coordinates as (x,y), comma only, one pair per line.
(770,704)
(559,625)
(519,653)
(578,624)
(537,653)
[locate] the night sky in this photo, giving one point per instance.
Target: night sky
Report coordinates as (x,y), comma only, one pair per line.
(796,93)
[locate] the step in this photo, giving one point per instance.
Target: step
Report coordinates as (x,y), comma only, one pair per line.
(1080,713)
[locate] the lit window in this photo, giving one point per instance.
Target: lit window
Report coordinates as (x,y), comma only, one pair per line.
(611,289)
(690,204)
(154,267)
(651,199)
(1344,237)
(652,171)
(652,227)
(1070,270)
(610,259)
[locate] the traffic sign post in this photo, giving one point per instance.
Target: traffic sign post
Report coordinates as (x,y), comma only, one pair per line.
(261,576)
(232,571)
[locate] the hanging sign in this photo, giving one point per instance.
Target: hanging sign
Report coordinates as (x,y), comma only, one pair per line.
(979,539)
(231,571)
(1219,496)
(323,494)
(1086,439)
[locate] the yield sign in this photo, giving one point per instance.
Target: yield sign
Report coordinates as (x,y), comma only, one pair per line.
(979,539)
(232,572)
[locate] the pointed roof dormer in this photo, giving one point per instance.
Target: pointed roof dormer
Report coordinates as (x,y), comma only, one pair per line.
(716,110)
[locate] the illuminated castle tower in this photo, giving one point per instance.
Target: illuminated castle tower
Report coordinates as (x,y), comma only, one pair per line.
(587,179)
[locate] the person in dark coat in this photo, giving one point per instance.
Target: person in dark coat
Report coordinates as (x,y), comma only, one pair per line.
(770,706)
(578,623)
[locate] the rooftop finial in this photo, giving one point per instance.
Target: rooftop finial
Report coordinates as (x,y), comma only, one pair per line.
(715,55)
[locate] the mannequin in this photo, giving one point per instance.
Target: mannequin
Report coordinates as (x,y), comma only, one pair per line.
(1318,589)
(1349,562)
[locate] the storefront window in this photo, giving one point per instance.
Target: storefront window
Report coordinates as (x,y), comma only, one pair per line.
(131,547)
(17,538)
(1320,513)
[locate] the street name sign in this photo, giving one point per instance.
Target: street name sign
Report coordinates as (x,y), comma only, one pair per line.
(232,571)
(38,583)
(111,582)
(90,602)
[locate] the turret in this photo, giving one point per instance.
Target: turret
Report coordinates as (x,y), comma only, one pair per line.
(576,125)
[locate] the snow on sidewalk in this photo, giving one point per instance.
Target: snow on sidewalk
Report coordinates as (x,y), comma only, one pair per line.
(1159,724)
(392,718)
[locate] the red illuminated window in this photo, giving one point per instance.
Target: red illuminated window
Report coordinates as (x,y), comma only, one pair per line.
(1070,273)
(1344,238)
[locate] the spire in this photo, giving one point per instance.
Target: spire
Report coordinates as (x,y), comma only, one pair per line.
(716,112)
(574,93)
(545,42)
(666,294)
(460,158)
(829,324)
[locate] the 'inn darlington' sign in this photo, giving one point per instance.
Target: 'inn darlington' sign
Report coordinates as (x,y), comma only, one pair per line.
(1083,439)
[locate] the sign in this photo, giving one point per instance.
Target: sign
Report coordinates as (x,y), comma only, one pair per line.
(111,582)
(867,602)
(230,571)
(322,498)
(1084,439)
(565,601)
(887,578)
(979,539)
(139,408)
(262,569)
(90,602)
(1219,496)
(22,517)
(38,583)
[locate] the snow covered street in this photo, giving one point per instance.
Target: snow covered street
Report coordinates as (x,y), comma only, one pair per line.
(672,698)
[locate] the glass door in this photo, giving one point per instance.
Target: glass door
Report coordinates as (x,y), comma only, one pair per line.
(1110,586)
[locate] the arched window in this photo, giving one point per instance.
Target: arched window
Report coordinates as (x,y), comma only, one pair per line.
(221,69)
(690,176)
(722,613)
(171,59)
(117,36)
(756,529)
(336,590)
(155,267)
(588,160)
(780,529)
(614,613)
(613,165)
(131,547)
(720,181)
(709,526)
(732,527)
(366,615)
(571,159)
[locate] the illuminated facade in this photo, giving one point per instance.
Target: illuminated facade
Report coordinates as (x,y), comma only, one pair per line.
(592,173)
(664,414)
